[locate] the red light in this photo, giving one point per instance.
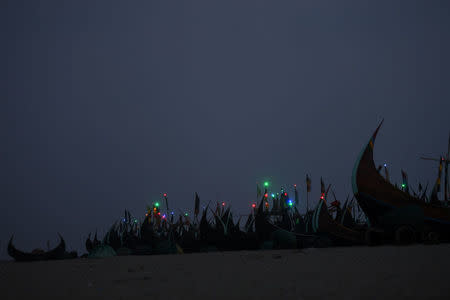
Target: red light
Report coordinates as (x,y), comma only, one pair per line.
(285,194)
(223,203)
(266,195)
(295,185)
(267,204)
(165,195)
(159,214)
(253,205)
(146,215)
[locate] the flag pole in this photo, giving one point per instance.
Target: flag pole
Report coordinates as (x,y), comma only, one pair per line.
(307,200)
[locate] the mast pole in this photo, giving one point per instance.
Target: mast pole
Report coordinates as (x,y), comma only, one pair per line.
(446,171)
(307,201)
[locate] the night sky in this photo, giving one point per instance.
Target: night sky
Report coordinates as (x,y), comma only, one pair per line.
(106,105)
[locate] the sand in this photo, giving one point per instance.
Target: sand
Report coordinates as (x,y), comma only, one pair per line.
(388,272)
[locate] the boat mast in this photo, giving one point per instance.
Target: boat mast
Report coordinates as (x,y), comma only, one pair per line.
(445,161)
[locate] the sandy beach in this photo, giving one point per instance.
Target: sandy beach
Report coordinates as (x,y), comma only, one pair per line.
(388,272)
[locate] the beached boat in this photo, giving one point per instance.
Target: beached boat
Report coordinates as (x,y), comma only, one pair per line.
(395,212)
(323,223)
(58,252)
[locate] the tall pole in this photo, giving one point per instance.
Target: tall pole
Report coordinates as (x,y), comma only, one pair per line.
(307,200)
(445,162)
(386,173)
(446,170)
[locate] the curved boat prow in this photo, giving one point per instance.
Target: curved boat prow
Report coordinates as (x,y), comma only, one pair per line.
(374,135)
(388,207)
(366,179)
(367,154)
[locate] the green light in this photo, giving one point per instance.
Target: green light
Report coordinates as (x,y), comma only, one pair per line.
(273,195)
(403,185)
(186,214)
(157,204)
(266,183)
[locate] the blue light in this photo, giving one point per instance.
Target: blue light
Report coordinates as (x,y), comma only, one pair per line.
(171,213)
(385,165)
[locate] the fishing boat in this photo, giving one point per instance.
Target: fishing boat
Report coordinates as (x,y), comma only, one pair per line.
(59,252)
(323,223)
(392,211)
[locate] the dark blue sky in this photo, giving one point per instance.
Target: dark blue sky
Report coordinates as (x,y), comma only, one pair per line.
(108,104)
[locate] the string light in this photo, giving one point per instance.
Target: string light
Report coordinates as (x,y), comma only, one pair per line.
(273,196)
(266,195)
(223,203)
(253,205)
(266,183)
(165,195)
(157,204)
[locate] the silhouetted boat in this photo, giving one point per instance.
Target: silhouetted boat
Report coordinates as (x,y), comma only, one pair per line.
(323,222)
(398,214)
(57,253)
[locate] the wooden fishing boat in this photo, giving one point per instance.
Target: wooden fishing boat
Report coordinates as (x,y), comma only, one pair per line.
(395,212)
(58,252)
(323,222)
